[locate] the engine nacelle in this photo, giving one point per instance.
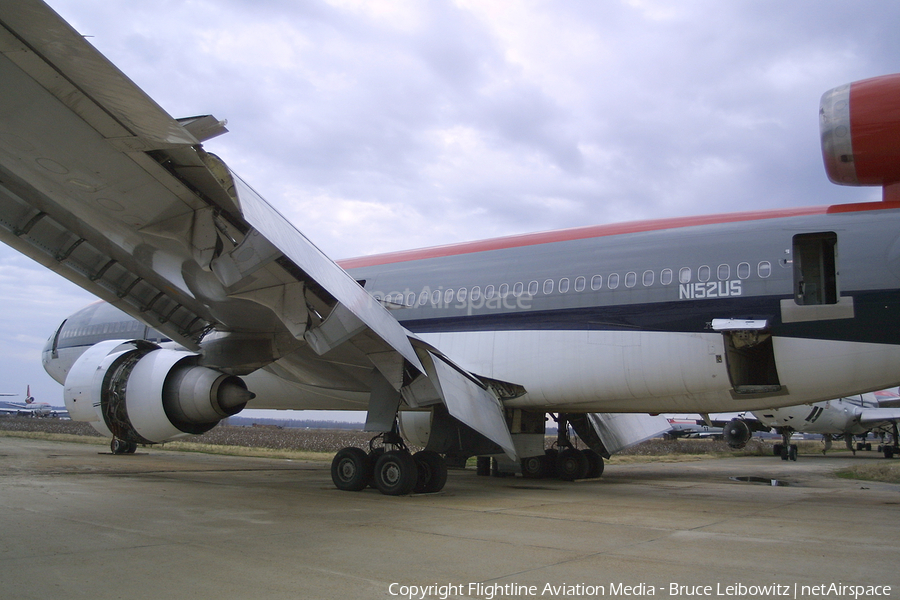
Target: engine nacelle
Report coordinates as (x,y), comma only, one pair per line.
(736,433)
(860,128)
(138,392)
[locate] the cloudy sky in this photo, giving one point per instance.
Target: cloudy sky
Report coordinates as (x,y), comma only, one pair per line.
(380,125)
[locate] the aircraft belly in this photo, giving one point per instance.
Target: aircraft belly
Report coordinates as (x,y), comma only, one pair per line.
(815,370)
(598,371)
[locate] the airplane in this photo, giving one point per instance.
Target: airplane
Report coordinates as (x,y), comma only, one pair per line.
(685,427)
(30,408)
(845,417)
(466,347)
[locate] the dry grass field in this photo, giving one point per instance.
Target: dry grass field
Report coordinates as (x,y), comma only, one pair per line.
(321,444)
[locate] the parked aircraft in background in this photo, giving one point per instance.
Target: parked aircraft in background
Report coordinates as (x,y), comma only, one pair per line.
(691,427)
(30,408)
(843,417)
(468,345)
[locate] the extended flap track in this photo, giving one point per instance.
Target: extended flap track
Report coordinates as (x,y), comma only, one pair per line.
(38,235)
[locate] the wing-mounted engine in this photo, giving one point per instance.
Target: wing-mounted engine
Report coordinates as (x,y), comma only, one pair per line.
(140,393)
(737,433)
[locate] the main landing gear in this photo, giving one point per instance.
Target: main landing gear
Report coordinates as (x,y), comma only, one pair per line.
(893,449)
(390,468)
(786,450)
(564,462)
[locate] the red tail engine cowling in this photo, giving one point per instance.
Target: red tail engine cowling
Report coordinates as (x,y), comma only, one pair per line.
(138,392)
(860,127)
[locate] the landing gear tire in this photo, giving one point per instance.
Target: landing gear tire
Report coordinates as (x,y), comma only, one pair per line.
(571,464)
(595,464)
(117,446)
(395,473)
(431,472)
(889,452)
(776,449)
(372,458)
(552,454)
(351,470)
(792,452)
(535,467)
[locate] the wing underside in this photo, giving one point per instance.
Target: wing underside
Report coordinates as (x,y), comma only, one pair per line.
(101,185)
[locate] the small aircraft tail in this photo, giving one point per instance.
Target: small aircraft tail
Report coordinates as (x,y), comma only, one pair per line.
(29,399)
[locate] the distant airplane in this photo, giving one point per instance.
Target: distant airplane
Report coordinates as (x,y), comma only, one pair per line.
(30,408)
(842,417)
(471,345)
(686,427)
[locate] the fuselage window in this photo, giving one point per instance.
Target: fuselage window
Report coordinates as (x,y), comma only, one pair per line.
(630,279)
(563,285)
(684,275)
(423,298)
(461,295)
(596,282)
(743,270)
(489,292)
(503,290)
(815,268)
(532,288)
(703,273)
(476,293)
(518,289)
(723,272)
(436,297)
(612,281)
(579,284)
(411,299)
(548,286)
(764,269)
(647,278)
(448,296)
(665,276)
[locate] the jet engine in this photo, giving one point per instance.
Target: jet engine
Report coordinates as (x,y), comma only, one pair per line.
(736,433)
(860,128)
(140,393)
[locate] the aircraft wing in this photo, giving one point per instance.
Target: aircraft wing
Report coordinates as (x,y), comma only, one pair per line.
(104,187)
(873,416)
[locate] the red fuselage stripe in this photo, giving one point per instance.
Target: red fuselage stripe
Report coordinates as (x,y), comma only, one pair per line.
(580,233)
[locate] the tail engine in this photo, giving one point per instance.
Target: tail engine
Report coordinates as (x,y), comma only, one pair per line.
(137,392)
(860,128)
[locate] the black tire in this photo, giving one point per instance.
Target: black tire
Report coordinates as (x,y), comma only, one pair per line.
(595,464)
(535,467)
(432,472)
(483,466)
(551,454)
(792,452)
(350,470)
(889,452)
(372,458)
(571,464)
(131,448)
(117,446)
(395,473)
